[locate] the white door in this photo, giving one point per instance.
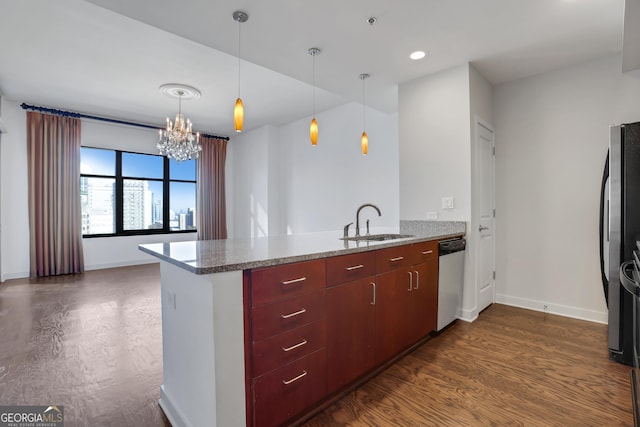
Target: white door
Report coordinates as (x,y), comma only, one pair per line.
(485,279)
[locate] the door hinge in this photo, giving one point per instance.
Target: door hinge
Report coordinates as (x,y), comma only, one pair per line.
(494,150)
(494,213)
(494,275)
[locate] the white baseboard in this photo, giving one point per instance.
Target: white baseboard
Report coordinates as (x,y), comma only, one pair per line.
(175,417)
(19,275)
(469,315)
(559,309)
(121,264)
(25,274)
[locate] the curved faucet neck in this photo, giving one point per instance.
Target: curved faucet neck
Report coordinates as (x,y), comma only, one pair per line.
(358,215)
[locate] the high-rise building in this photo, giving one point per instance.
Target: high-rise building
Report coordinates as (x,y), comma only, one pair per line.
(191,219)
(97,198)
(156,214)
(137,205)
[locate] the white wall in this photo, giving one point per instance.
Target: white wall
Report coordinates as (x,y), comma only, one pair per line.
(551,143)
(435,151)
(312,189)
(15,220)
(251,183)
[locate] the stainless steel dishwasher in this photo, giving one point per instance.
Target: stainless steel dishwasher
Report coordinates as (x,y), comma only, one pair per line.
(450,280)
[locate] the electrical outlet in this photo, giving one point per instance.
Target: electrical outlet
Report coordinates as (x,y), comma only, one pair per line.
(432,215)
(448,202)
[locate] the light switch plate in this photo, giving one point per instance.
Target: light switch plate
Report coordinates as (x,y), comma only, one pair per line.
(448,202)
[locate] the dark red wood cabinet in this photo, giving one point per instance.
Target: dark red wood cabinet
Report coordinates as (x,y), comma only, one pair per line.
(315,327)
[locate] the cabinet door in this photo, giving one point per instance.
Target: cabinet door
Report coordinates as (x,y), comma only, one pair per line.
(393,318)
(350,320)
(422,314)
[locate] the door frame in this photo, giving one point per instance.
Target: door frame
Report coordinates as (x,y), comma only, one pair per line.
(474,223)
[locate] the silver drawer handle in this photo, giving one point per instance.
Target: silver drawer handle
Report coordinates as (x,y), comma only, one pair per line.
(355,267)
(374,294)
(417,280)
(399,258)
(292,281)
(427,252)
(287,382)
(410,281)
(297,313)
(293,347)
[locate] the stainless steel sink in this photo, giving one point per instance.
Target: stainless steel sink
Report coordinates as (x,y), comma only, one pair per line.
(377,237)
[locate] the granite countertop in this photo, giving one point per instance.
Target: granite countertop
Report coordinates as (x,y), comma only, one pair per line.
(215,256)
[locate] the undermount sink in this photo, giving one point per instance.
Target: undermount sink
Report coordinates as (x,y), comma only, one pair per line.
(377,237)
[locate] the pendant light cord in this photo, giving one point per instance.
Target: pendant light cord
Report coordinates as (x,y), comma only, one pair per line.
(239,26)
(364,106)
(314,84)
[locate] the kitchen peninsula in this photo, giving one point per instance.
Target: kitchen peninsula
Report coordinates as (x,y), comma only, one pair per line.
(227,304)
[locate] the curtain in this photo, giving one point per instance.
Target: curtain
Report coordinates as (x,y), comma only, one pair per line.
(55,218)
(211,202)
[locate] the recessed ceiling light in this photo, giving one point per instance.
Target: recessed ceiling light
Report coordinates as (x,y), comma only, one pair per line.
(418,54)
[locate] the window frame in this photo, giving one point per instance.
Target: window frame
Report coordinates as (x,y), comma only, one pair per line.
(119,196)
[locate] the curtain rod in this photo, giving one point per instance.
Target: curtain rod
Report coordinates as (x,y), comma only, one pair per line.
(104,119)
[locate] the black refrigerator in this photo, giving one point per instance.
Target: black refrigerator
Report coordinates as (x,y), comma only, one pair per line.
(619,233)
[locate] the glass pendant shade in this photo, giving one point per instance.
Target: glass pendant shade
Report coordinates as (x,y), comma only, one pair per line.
(313,132)
(365,143)
(238,115)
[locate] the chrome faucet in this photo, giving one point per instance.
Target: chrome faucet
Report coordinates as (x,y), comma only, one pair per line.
(358,216)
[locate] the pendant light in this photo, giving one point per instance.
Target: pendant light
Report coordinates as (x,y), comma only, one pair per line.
(313,128)
(238,110)
(364,141)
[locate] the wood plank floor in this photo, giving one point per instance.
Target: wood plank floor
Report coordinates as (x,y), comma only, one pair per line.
(93,343)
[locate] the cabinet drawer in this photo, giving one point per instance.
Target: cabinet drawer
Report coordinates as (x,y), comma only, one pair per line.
(424,251)
(275,318)
(391,258)
(347,268)
(284,348)
(286,392)
(283,281)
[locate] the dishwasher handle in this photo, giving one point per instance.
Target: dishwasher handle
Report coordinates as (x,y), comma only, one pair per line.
(449,246)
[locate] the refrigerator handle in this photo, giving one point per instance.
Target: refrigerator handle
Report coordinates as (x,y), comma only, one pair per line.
(605,176)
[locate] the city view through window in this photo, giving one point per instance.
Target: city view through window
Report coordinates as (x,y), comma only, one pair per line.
(143,188)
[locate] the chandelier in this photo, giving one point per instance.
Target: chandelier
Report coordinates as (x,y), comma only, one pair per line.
(178,141)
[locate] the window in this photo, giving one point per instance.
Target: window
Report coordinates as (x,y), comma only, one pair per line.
(125,193)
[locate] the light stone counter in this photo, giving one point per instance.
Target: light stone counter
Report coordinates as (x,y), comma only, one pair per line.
(215,256)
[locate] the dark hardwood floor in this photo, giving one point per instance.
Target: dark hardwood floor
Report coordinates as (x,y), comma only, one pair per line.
(90,342)
(93,343)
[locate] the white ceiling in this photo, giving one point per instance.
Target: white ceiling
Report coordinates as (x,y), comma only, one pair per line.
(108,57)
